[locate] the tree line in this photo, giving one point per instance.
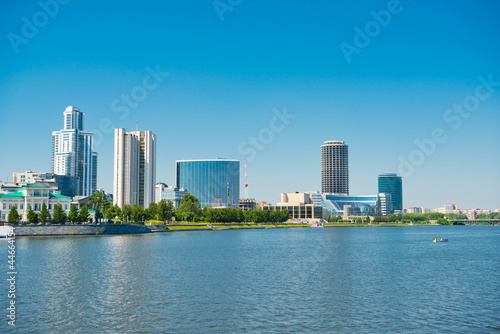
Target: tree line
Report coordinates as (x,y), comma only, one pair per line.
(189,211)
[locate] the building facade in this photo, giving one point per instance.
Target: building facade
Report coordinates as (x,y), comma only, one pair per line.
(306,211)
(169,193)
(134,177)
(34,195)
(336,204)
(72,152)
(390,183)
(385,204)
(65,184)
(215,182)
(335,168)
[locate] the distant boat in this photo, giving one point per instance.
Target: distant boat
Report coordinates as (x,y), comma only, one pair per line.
(440,240)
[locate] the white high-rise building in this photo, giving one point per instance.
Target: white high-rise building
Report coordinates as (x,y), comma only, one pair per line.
(134,178)
(334,168)
(72,152)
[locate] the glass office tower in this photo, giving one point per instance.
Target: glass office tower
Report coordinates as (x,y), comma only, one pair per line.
(390,183)
(215,182)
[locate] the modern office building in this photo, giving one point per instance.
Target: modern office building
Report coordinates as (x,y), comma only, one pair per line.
(334,168)
(215,182)
(72,152)
(169,193)
(385,204)
(336,204)
(390,183)
(134,177)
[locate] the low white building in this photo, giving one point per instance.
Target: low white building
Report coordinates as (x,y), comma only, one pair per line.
(34,194)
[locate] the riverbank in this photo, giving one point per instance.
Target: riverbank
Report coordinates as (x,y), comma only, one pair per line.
(73,230)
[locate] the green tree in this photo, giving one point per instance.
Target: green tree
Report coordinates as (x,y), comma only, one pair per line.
(73,214)
(165,210)
(83,215)
(127,213)
(13,217)
(59,216)
(152,211)
(138,213)
(189,207)
(442,221)
(113,212)
(44,214)
(32,216)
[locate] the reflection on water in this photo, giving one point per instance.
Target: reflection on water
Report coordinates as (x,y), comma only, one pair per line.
(346,280)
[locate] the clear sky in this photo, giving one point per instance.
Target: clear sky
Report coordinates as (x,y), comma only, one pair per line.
(233,68)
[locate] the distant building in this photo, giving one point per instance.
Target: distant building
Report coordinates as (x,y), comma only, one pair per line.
(334,168)
(215,182)
(308,211)
(34,195)
(414,210)
(440,210)
(385,204)
(448,208)
(300,206)
(72,152)
(247,204)
(134,177)
(368,205)
(390,183)
(315,197)
(169,193)
(497,210)
(65,184)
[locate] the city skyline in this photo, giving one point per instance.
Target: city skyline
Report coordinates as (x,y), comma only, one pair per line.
(259,93)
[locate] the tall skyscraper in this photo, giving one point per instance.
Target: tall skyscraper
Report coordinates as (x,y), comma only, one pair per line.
(72,152)
(390,183)
(215,182)
(334,168)
(134,178)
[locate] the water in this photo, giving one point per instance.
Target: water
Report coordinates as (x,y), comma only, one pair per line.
(339,280)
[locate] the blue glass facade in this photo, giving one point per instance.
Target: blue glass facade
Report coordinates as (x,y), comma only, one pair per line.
(392,184)
(214,182)
(362,205)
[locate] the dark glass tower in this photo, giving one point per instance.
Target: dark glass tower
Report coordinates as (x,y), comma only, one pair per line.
(390,183)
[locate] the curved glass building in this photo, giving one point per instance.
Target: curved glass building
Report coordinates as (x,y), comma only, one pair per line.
(390,183)
(215,182)
(360,205)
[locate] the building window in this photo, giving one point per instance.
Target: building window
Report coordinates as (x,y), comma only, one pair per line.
(50,206)
(4,206)
(21,206)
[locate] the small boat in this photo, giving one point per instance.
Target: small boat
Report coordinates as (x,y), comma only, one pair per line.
(440,240)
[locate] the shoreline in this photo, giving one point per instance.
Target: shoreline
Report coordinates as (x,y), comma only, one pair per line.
(122,229)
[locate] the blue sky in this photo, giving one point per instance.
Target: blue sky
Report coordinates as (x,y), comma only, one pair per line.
(227,76)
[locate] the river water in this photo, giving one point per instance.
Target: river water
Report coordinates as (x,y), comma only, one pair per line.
(318,280)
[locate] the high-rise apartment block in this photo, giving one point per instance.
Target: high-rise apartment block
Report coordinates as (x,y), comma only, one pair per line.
(72,152)
(334,168)
(134,177)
